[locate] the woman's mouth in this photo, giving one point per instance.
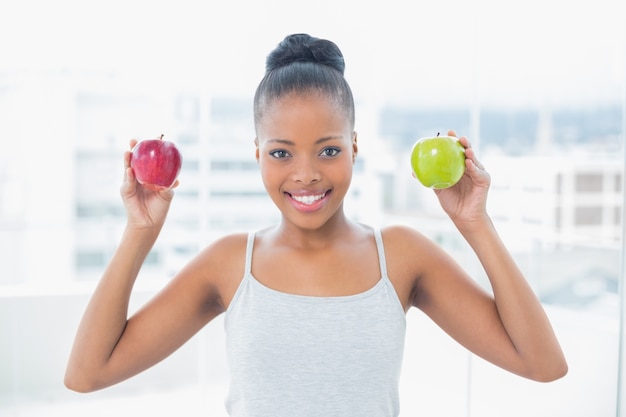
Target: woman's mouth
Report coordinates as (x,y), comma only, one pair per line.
(308,199)
(308,202)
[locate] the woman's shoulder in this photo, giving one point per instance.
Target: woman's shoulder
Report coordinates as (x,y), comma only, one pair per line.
(229,242)
(221,263)
(409,246)
(403,235)
(225,249)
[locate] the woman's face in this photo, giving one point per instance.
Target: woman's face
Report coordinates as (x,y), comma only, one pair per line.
(306,150)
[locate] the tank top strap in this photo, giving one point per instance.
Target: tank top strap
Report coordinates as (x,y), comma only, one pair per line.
(249,247)
(381,253)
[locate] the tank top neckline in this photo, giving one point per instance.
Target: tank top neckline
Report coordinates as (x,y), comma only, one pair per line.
(315,298)
(383,281)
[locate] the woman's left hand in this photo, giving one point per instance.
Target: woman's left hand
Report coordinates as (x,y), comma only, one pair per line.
(466,201)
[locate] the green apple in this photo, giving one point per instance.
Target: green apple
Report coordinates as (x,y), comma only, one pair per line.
(438,162)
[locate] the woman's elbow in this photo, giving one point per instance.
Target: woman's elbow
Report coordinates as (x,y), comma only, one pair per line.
(76,386)
(77,383)
(551,373)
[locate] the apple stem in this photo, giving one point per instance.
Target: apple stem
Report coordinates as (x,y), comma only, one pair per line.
(161,137)
(437,134)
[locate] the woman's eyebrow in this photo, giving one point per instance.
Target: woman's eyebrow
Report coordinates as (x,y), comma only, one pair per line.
(327,138)
(290,142)
(283,141)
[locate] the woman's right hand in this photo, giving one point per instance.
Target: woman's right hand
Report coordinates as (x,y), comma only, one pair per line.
(144,208)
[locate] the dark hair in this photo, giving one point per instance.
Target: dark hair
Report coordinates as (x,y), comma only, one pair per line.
(304,64)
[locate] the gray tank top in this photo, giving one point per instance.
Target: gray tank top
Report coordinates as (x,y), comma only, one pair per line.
(306,356)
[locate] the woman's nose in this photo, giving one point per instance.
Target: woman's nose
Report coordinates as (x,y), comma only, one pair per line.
(306,172)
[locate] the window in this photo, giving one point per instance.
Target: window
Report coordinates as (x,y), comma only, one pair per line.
(586,216)
(226,165)
(589,182)
(90,259)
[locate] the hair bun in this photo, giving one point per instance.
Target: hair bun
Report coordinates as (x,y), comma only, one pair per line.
(304,48)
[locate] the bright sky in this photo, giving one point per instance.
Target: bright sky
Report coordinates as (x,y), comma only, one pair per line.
(442,50)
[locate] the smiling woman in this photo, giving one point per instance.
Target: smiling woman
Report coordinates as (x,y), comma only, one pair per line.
(337,306)
(540,87)
(313,170)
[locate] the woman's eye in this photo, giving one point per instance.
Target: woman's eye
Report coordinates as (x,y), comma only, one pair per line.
(279,154)
(330,152)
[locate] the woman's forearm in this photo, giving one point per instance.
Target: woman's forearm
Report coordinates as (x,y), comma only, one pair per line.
(106,315)
(520,311)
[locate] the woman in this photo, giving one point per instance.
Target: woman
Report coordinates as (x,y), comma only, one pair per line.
(315,305)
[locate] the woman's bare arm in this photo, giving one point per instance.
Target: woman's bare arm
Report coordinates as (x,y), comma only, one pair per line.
(109,346)
(508,327)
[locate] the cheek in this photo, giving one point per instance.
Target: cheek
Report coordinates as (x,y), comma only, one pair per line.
(269,176)
(343,172)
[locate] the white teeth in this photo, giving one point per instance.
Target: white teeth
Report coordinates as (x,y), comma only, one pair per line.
(308,199)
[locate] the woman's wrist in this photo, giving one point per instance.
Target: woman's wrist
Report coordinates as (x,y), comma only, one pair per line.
(475,225)
(139,236)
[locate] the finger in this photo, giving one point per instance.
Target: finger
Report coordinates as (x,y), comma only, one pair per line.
(168,193)
(470,154)
(129,185)
(465,142)
(129,179)
(132,143)
(451,132)
(127,155)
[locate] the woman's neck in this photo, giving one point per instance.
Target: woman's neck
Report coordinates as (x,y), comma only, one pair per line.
(337,228)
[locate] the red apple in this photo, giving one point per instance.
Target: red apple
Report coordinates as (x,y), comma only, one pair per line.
(156,163)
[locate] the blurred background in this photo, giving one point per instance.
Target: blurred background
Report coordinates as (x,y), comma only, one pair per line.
(538,86)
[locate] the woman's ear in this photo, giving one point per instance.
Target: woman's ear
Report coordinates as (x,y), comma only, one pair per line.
(256,152)
(355,147)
